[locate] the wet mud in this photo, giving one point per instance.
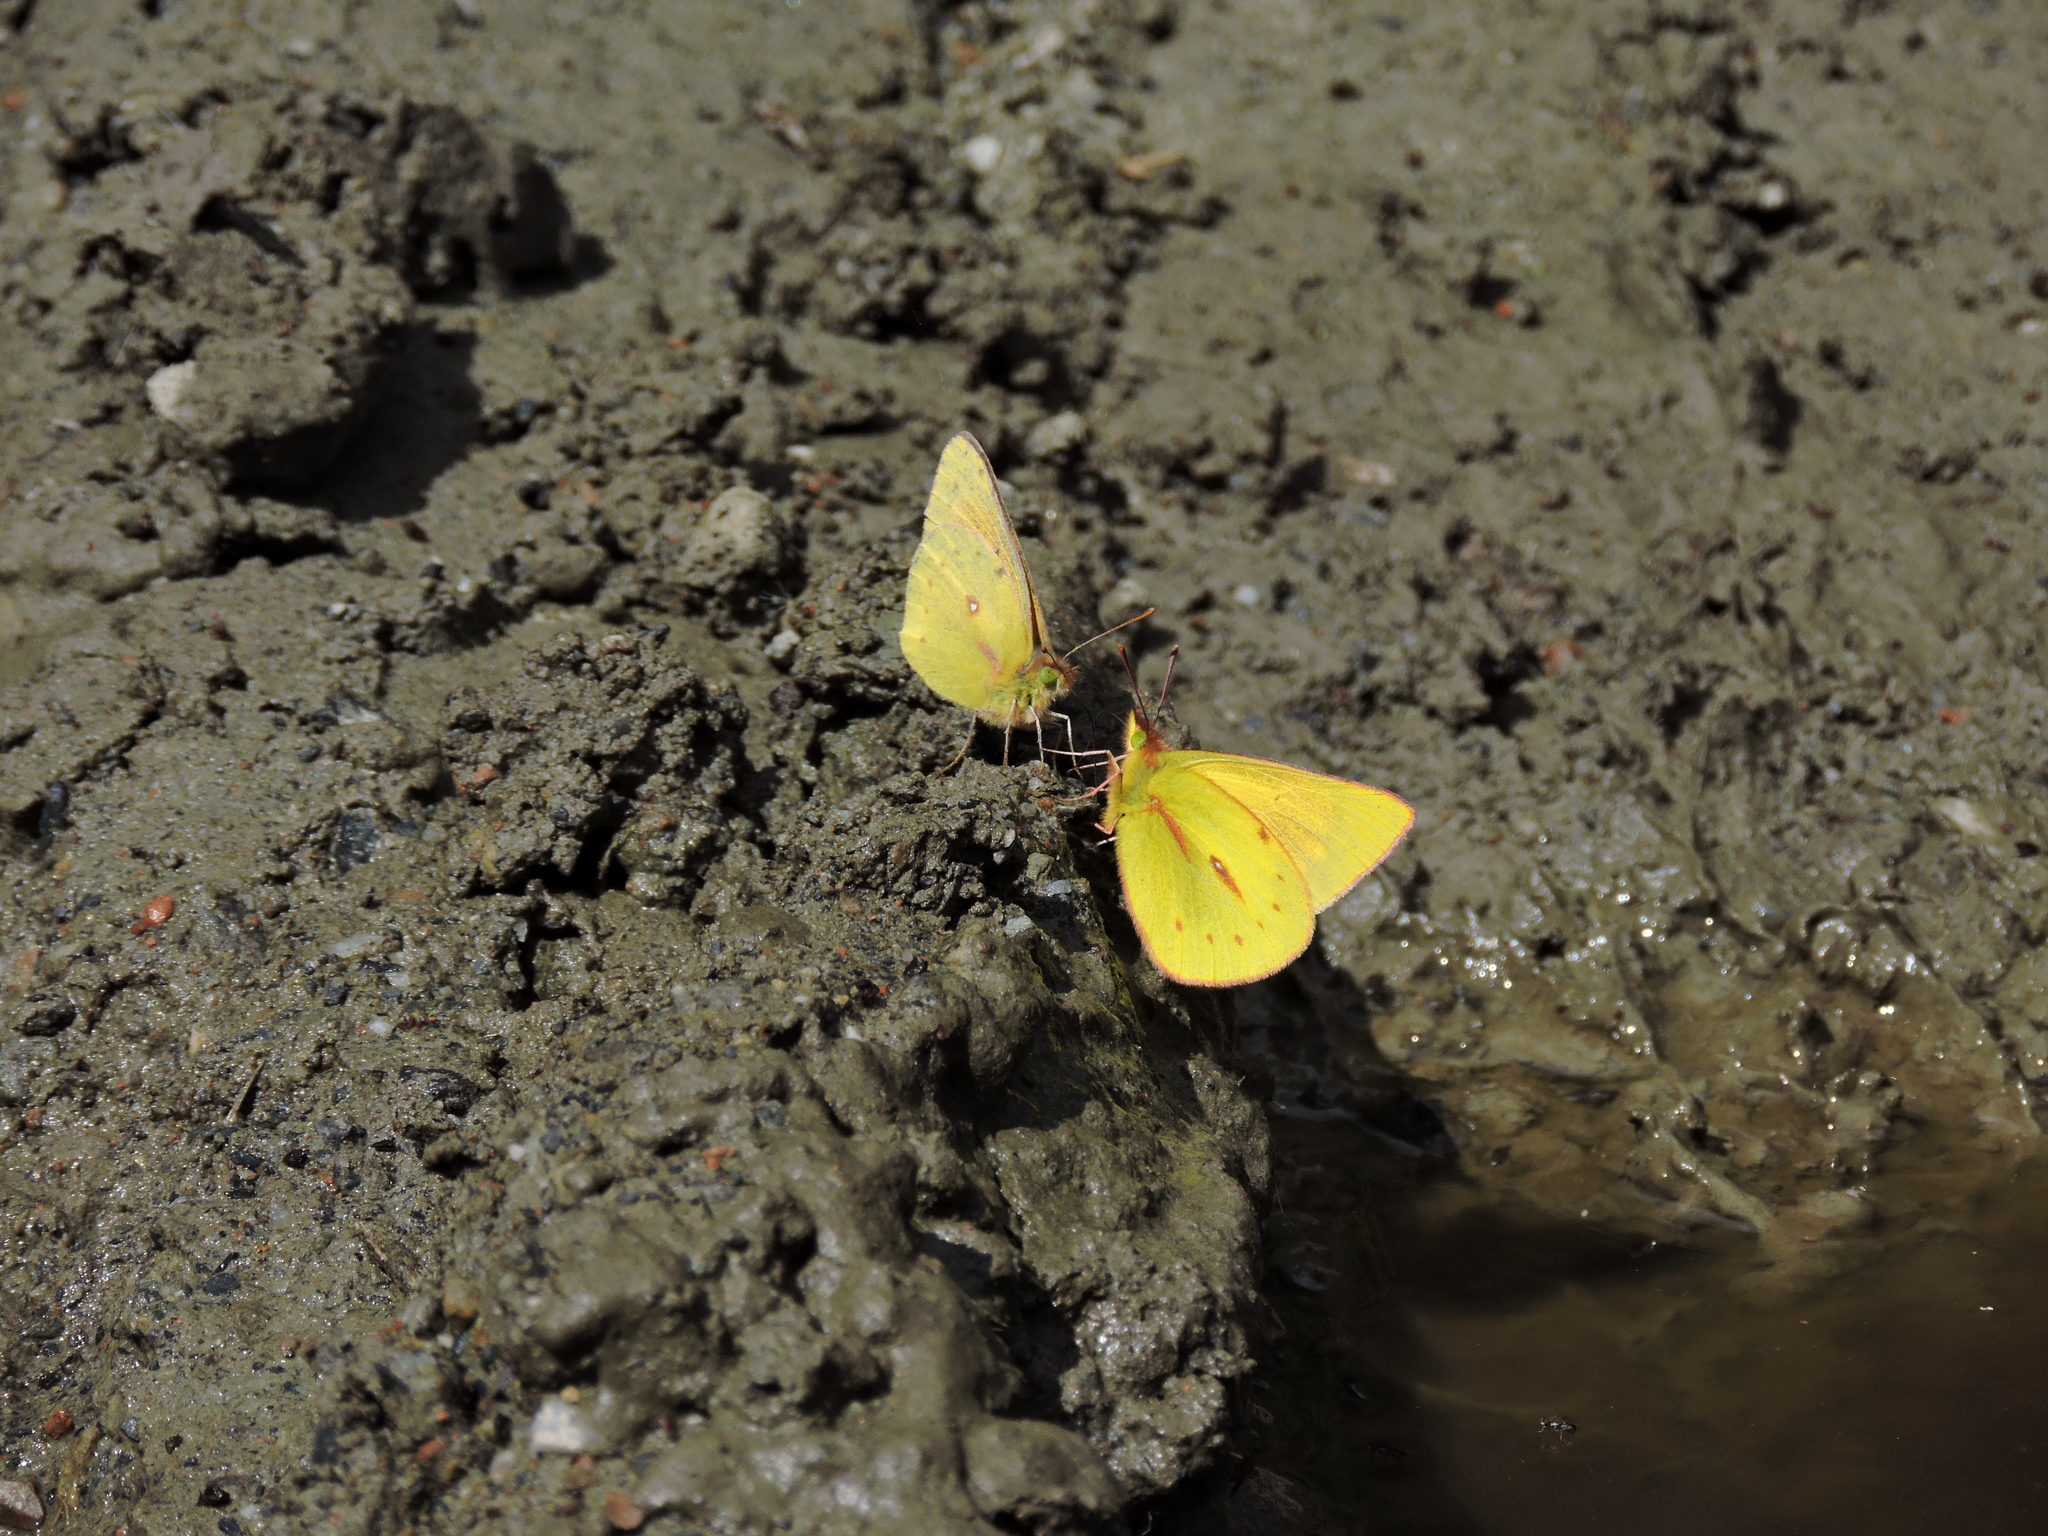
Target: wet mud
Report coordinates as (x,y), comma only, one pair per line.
(507,1026)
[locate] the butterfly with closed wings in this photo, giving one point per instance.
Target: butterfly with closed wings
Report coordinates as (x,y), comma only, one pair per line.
(972,626)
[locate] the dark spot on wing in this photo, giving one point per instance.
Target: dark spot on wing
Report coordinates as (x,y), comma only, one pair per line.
(1223,874)
(974,606)
(1152,804)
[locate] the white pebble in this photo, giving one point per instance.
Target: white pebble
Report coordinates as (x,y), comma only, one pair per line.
(1966,817)
(557,1426)
(984,152)
(167,389)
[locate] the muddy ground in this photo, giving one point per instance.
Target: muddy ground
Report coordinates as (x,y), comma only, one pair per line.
(505,1026)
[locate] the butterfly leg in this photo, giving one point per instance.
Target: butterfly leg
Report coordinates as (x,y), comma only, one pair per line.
(1108,761)
(965,746)
(1067,720)
(1038,722)
(1006,746)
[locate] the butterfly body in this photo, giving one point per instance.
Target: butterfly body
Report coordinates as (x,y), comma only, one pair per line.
(972,625)
(1226,860)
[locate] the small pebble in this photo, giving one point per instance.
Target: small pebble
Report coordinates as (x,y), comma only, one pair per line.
(57,1425)
(461,1301)
(168,387)
(623,1513)
(20,1508)
(155,915)
(984,152)
(557,1426)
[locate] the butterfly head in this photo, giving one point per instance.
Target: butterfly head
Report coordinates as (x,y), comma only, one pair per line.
(1143,737)
(1051,676)
(1043,681)
(1129,774)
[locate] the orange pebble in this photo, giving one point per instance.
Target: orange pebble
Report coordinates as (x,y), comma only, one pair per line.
(155,915)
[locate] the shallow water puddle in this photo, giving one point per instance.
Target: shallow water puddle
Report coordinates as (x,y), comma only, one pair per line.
(1448,1365)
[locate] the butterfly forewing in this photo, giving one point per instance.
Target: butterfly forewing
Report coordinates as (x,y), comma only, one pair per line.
(971,621)
(1335,830)
(1215,896)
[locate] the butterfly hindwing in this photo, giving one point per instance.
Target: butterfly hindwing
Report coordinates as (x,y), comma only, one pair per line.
(971,620)
(1215,896)
(1335,830)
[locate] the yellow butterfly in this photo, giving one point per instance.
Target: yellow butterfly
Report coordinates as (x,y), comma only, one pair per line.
(1226,860)
(972,626)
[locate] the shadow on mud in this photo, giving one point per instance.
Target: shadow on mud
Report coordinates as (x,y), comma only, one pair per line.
(431,414)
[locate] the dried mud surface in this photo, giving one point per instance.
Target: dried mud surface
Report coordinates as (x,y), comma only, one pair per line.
(506,1027)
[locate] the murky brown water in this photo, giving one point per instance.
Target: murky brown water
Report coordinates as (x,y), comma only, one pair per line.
(1455,1365)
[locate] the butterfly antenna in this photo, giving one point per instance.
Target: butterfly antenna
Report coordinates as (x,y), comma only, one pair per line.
(1136,618)
(1171,657)
(1137,693)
